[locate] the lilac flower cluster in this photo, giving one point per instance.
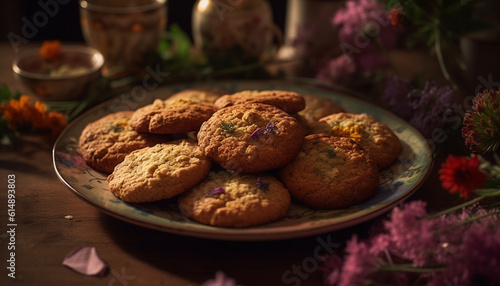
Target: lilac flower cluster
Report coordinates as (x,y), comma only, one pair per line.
(424,109)
(464,248)
(337,70)
(364,30)
(359,18)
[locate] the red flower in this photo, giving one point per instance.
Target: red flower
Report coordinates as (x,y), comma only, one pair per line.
(396,16)
(461,174)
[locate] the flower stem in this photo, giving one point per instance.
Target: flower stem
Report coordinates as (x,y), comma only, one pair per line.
(455,208)
(410,268)
(473,218)
(439,54)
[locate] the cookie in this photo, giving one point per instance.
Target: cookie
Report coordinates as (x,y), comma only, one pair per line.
(288,101)
(375,137)
(235,200)
(159,172)
(105,142)
(316,108)
(251,138)
(331,172)
(209,95)
(174,116)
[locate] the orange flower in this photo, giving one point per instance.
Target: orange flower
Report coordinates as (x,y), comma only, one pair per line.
(50,50)
(20,113)
(354,132)
(396,17)
(56,122)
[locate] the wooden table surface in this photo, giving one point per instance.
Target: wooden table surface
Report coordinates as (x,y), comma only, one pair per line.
(135,255)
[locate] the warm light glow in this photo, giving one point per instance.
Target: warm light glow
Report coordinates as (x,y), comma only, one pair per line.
(203,5)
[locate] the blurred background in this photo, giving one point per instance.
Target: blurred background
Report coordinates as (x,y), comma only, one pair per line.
(65,25)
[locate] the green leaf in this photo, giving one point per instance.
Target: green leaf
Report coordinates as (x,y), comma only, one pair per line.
(176,45)
(6,94)
(488,192)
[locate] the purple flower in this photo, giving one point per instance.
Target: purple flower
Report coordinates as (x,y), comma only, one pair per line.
(261,184)
(380,243)
(396,97)
(257,132)
(475,257)
(424,109)
(362,20)
(332,269)
(359,265)
(460,253)
(429,106)
(271,127)
(481,252)
(412,236)
(220,280)
(218,190)
(337,70)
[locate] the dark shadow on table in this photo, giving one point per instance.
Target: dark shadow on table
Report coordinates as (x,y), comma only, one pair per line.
(250,263)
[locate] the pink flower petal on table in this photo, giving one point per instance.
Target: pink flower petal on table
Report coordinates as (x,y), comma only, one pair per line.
(85,260)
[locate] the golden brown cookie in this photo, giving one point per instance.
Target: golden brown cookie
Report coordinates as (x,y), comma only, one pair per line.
(208,95)
(105,142)
(251,138)
(168,117)
(288,101)
(316,108)
(331,172)
(375,137)
(235,200)
(159,172)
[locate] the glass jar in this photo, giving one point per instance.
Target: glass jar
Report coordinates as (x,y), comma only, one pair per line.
(232,32)
(126,32)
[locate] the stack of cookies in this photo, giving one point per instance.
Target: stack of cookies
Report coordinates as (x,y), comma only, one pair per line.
(237,160)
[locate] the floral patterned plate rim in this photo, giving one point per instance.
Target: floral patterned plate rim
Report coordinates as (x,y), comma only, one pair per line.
(397,182)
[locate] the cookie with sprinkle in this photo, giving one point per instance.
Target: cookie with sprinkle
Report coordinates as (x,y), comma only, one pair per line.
(105,142)
(331,172)
(375,137)
(251,138)
(236,200)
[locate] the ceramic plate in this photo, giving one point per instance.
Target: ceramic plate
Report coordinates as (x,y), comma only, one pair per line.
(396,183)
